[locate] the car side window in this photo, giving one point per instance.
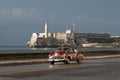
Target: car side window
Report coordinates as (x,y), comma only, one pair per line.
(59,50)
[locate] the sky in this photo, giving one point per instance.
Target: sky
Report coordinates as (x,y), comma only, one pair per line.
(20,18)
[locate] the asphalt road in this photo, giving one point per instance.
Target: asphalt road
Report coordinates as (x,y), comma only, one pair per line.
(100,69)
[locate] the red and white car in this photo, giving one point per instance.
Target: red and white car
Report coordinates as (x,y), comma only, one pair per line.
(65,54)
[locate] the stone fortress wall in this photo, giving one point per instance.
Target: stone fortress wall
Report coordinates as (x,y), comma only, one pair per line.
(48,39)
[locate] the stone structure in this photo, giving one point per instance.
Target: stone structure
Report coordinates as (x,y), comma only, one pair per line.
(48,39)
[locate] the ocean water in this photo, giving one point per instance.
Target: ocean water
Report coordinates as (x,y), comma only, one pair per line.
(23,49)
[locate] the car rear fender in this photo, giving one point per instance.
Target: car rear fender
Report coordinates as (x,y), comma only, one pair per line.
(80,56)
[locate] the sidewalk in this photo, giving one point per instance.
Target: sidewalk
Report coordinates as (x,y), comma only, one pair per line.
(40,61)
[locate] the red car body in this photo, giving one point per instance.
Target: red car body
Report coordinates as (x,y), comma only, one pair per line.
(65,54)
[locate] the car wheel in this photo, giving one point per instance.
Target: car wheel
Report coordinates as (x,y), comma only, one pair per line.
(78,61)
(52,62)
(67,61)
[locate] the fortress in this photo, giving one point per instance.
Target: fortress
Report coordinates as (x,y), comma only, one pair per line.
(48,39)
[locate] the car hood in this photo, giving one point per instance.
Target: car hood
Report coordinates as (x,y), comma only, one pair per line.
(58,53)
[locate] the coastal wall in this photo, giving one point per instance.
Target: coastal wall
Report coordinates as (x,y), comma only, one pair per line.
(38,55)
(23,55)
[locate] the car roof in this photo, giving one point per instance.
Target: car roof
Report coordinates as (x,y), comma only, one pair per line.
(62,47)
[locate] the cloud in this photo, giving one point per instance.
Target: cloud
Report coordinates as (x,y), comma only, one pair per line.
(93,19)
(18,11)
(24,14)
(21,16)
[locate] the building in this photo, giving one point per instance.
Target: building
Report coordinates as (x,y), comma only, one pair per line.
(48,39)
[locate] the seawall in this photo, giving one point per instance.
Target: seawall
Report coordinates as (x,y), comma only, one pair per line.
(44,55)
(13,59)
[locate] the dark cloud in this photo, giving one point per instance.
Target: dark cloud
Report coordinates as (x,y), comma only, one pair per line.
(20,18)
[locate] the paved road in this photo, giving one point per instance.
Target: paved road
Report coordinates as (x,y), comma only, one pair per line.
(101,69)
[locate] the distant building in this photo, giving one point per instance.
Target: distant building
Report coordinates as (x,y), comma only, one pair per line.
(48,39)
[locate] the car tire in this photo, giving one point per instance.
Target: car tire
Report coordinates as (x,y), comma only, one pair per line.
(52,62)
(67,61)
(78,61)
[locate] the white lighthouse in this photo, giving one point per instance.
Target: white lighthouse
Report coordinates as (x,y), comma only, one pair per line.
(46,30)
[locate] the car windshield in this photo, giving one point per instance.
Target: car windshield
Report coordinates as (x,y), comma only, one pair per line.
(61,49)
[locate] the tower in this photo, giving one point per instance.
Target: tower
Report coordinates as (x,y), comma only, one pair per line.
(46,30)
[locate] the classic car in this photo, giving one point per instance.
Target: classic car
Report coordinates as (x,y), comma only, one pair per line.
(66,55)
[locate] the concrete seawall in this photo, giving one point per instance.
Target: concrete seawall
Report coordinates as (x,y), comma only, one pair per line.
(13,59)
(23,55)
(43,55)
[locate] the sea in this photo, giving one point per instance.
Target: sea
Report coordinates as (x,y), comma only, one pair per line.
(23,49)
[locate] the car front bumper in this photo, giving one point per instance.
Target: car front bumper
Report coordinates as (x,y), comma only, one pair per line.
(57,60)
